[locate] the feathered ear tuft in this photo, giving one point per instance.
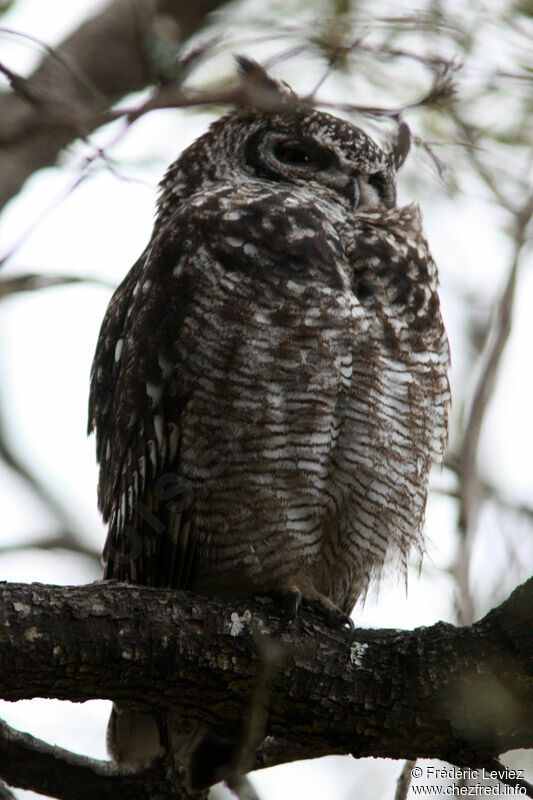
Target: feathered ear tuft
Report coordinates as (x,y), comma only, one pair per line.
(251,71)
(262,90)
(401,144)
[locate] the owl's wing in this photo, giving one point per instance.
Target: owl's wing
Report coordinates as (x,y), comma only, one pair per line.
(142,388)
(137,396)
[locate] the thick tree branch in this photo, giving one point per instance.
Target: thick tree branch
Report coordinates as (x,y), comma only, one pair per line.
(462,694)
(106,58)
(28,763)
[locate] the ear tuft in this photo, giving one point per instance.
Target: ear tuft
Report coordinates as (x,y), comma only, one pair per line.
(401,144)
(261,90)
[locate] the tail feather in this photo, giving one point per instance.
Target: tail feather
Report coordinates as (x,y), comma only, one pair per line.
(133,738)
(136,738)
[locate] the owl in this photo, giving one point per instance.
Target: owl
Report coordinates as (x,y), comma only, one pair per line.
(269,389)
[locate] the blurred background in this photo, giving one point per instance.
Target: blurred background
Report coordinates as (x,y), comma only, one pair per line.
(461,75)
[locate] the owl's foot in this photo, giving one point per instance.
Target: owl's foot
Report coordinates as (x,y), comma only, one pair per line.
(304,590)
(334,615)
(294,601)
(290,601)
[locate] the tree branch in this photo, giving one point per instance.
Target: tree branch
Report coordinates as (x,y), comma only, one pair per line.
(403,783)
(470,493)
(499,334)
(106,58)
(5,794)
(29,763)
(34,282)
(461,694)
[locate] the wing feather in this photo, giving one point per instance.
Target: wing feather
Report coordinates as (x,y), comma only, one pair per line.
(141,383)
(135,406)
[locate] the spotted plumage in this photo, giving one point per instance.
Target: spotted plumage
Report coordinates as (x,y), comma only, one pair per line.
(269,389)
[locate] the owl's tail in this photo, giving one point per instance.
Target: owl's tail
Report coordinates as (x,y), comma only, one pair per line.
(136,738)
(133,737)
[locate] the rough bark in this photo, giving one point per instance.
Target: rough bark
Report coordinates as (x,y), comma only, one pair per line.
(106,58)
(28,763)
(461,694)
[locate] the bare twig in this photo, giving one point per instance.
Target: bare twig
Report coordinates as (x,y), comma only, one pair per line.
(11,458)
(33,281)
(489,492)
(5,793)
(103,60)
(471,141)
(63,540)
(68,64)
(20,85)
(404,781)
(441,91)
(469,486)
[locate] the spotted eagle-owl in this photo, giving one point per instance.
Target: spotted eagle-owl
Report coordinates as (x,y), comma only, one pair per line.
(269,389)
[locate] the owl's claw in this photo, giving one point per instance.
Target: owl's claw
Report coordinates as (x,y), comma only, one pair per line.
(339,617)
(294,596)
(293,602)
(349,626)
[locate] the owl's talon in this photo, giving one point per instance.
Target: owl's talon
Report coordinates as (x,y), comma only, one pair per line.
(297,599)
(349,626)
(294,601)
(337,616)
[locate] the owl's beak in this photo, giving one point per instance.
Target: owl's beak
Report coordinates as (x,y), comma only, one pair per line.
(355,194)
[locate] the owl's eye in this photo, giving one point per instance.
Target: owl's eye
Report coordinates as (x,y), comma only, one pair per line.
(379,182)
(298,154)
(383,187)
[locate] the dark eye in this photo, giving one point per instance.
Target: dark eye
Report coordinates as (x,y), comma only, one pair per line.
(301,155)
(383,187)
(378,181)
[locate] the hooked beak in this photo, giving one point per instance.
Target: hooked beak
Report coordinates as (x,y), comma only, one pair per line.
(355,193)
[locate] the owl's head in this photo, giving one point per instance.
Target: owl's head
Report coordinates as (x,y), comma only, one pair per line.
(274,136)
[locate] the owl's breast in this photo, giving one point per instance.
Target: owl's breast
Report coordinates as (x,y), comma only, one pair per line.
(306,429)
(270,361)
(262,422)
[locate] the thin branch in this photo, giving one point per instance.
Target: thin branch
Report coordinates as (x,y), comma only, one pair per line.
(62,540)
(5,793)
(67,537)
(471,141)
(496,343)
(404,780)
(488,491)
(69,66)
(172,95)
(12,460)
(101,62)
(469,485)
(19,85)
(32,281)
